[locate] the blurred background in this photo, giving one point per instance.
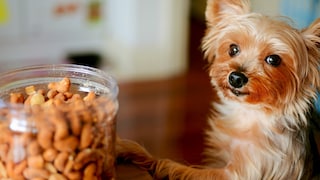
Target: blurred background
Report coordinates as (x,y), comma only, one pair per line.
(134,39)
(152,47)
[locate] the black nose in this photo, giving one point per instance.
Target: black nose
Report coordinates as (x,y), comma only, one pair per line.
(237,79)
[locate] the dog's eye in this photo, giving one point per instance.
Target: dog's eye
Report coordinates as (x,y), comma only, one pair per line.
(273,60)
(234,50)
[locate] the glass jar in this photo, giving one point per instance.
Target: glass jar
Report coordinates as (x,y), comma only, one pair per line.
(69,134)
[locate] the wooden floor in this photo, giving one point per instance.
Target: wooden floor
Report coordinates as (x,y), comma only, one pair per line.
(168,116)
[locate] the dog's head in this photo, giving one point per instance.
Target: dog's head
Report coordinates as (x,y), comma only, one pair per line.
(260,60)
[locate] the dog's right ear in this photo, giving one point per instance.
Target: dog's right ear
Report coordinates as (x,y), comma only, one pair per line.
(216,9)
(311,37)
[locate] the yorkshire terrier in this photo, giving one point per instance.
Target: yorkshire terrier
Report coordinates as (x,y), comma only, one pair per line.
(266,76)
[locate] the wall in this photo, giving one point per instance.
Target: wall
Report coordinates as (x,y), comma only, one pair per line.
(147,39)
(44,32)
(269,7)
(138,39)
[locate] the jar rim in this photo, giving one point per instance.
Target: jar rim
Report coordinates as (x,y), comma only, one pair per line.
(8,76)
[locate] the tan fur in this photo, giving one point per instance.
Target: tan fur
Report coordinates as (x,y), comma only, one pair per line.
(258,131)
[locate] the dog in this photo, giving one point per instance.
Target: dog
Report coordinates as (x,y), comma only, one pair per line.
(266,76)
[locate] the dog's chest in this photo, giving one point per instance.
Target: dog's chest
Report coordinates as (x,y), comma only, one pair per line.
(242,128)
(241,116)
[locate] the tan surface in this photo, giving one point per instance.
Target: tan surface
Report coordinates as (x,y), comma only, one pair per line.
(126,172)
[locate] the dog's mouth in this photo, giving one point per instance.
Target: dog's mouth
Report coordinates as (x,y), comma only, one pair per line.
(238,92)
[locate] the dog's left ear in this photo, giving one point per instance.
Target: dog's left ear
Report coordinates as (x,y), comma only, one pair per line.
(311,37)
(312,34)
(217,9)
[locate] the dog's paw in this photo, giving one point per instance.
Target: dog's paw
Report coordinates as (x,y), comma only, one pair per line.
(131,152)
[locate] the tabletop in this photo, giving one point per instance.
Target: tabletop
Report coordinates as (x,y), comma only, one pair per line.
(125,172)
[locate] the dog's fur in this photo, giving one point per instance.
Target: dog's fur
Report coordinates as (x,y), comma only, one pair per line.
(266,75)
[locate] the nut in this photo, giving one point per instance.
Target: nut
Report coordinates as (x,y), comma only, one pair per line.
(62,86)
(69,142)
(60,161)
(3,172)
(87,156)
(18,169)
(31,173)
(33,148)
(37,99)
(86,137)
(74,175)
(52,93)
(90,170)
(69,165)
(90,96)
(75,123)
(44,138)
(35,161)
(50,167)
(50,154)
(67,145)
(16,98)
(30,90)
(57,177)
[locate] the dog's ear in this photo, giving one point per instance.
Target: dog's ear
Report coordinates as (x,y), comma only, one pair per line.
(217,8)
(312,34)
(311,37)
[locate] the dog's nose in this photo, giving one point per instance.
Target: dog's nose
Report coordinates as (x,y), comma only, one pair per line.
(237,79)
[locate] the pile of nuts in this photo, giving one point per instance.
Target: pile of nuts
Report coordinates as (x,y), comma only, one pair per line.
(65,136)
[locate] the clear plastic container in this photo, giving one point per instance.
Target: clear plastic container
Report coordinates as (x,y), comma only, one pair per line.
(71,138)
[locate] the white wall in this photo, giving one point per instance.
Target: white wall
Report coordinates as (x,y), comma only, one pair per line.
(147,39)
